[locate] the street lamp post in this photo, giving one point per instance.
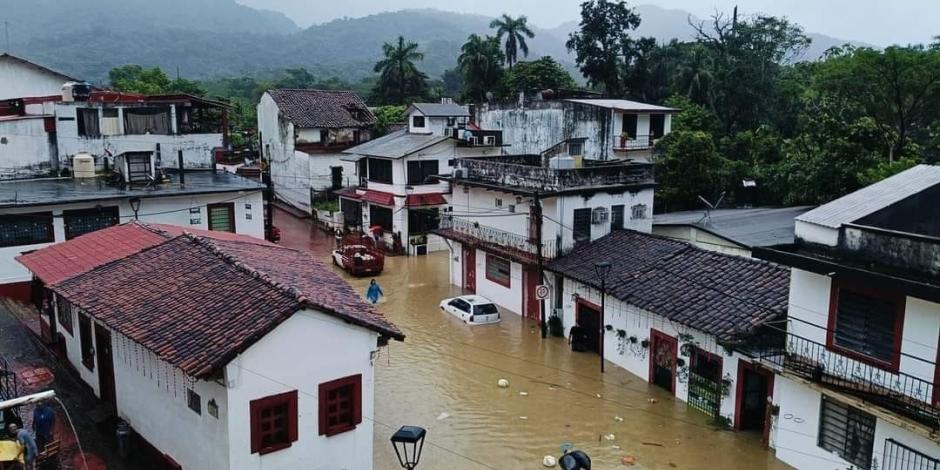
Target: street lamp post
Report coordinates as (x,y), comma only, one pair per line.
(602,270)
(408,443)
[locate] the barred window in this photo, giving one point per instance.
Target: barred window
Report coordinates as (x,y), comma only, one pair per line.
(26,229)
(846,431)
(499,270)
(80,222)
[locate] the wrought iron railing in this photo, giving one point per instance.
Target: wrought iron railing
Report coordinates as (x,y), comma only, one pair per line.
(8,383)
(496,237)
(898,456)
(550,179)
(639,142)
(898,392)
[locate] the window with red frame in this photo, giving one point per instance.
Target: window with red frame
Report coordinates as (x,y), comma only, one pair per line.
(340,405)
(273,422)
(866,324)
(499,270)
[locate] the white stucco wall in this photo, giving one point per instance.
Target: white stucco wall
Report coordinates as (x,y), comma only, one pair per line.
(638,322)
(507,297)
(26,149)
(18,80)
(701,239)
(566,206)
(164,210)
(336,350)
(540,125)
(796,435)
(813,233)
(73,349)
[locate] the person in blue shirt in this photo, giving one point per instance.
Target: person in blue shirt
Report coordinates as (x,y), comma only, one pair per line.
(43,424)
(27,445)
(374,292)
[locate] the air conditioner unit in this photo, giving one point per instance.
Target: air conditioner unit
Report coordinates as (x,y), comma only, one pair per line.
(599,215)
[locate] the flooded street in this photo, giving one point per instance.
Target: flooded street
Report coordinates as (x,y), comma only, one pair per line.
(443,378)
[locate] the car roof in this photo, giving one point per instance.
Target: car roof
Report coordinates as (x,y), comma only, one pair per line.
(475,299)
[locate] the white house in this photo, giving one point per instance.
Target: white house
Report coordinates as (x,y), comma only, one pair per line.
(613,129)
(37,212)
(502,209)
(303,134)
(40,135)
(199,334)
(856,381)
(676,315)
(20,77)
(399,190)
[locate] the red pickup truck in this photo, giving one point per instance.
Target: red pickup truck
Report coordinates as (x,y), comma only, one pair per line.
(359,256)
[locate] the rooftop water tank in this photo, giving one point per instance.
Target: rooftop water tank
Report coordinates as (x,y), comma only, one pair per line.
(562,162)
(83,166)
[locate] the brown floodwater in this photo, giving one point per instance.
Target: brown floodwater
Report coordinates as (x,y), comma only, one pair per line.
(443,378)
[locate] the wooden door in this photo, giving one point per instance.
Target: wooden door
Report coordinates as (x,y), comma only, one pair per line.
(530,281)
(105,365)
(664,350)
(470,269)
(589,319)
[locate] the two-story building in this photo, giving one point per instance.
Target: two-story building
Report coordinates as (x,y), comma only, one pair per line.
(22,77)
(399,192)
(195,333)
(613,129)
(510,214)
(303,134)
(856,382)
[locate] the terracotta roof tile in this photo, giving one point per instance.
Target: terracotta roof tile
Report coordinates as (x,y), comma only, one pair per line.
(324,109)
(727,296)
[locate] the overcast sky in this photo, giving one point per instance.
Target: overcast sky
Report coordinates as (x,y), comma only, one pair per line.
(879,22)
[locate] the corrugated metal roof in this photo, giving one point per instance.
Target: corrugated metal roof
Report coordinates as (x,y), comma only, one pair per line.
(757,226)
(396,145)
(441,109)
(871,199)
(625,105)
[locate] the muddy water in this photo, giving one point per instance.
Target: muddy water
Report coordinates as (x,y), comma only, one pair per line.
(443,378)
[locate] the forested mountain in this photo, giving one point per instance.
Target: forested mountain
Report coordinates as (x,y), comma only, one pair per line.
(218,38)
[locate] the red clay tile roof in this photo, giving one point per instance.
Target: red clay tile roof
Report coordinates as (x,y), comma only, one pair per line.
(61,261)
(323,109)
(418,200)
(197,302)
(378,197)
(723,295)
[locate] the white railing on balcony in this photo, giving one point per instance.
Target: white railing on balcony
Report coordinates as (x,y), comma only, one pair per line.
(639,142)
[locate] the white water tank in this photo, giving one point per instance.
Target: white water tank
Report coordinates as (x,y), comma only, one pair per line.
(83,166)
(562,162)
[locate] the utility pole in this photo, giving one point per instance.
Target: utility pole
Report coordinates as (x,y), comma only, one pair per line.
(536,214)
(268,188)
(6,33)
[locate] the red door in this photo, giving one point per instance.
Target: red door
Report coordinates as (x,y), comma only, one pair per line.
(663,360)
(470,269)
(530,281)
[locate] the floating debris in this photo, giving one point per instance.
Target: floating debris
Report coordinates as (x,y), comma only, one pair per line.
(615,447)
(628,460)
(652,444)
(502,383)
(523,417)
(618,419)
(548,461)
(524,394)
(609,437)
(443,416)
(653,400)
(598,395)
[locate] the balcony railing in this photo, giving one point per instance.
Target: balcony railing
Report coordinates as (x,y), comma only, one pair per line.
(512,244)
(639,142)
(900,393)
(540,178)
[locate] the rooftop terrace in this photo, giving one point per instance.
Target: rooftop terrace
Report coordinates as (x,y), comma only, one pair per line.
(530,174)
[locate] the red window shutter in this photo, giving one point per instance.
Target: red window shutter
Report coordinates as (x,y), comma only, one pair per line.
(255,411)
(322,407)
(292,416)
(357,399)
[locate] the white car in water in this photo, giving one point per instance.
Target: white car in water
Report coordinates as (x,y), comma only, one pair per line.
(472,309)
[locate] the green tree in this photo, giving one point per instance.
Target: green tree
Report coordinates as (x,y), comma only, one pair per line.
(541,74)
(453,82)
(602,41)
(688,167)
(137,79)
(400,81)
(385,116)
(516,31)
(480,62)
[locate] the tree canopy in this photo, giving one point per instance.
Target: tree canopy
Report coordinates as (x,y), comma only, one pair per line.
(601,42)
(542,74)
(480,62)
(516,30)
(400,81)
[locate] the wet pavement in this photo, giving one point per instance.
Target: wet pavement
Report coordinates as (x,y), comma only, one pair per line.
(443,378)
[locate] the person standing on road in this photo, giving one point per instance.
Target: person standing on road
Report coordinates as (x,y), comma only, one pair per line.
(27,445)
(43,424)
(576,338)
(374,292)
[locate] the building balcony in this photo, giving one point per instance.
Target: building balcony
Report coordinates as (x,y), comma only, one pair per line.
(900,393)
(519,172)
(519,248)
(477,138)
(624,143)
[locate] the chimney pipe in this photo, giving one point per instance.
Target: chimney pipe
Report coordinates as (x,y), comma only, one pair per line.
(179,159)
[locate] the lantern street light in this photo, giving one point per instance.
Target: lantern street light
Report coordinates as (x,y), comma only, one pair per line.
(602,270)
(408,443)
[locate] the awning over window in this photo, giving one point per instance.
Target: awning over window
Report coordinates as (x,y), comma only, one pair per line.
(418,200)
(378,197)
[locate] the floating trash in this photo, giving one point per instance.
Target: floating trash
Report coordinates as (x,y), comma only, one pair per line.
(502,383)
(618,419)
(443,416)
(628,460)
(653,400)
(524,394)
(609,437)
(523,417)
(548,461)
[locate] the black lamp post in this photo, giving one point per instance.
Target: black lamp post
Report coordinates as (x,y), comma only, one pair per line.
(408,443)
(602,269)
(135,205)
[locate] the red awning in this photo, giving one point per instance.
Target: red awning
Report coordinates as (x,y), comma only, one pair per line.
(418,200)
(348,193)
(378,197)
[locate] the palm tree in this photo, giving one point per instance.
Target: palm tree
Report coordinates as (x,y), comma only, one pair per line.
(694,74)
(515,30)
(398,72)
(480,62)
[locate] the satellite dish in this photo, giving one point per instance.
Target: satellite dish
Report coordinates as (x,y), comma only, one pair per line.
(709,207)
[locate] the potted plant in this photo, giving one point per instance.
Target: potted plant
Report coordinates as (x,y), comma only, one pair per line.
(609,327)
(645,343)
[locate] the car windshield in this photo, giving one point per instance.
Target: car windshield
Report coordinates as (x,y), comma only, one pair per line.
(485,309)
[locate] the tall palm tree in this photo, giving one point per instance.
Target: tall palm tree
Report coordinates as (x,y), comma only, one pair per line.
(480,62)
(397,70)
(515,30)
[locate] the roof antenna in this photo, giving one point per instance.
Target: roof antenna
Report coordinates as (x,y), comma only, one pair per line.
(6,33)
(709,207)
